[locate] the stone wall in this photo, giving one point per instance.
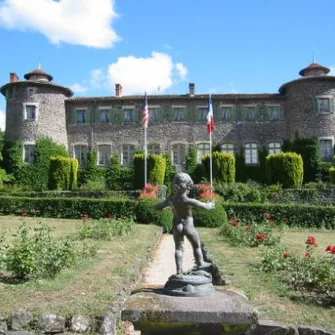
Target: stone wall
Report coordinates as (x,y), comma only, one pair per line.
(50,120)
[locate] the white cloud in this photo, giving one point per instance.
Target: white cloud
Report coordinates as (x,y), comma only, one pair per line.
(182,71)
(98,78)
(2,120)
(332,71)
(83,22)
(137,75)
(78,88)
(167,46)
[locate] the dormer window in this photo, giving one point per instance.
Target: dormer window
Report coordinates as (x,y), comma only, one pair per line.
(31,91)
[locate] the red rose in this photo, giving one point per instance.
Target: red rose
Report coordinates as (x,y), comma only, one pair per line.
(311,240)
(261,236)
(287,255)
(307,254)
(235,223)
(267,215)
(24,214)
(231,217)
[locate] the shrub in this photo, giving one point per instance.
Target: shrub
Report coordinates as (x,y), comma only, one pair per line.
(285,168)
(67,207)
(332,175)
(147,213)
(156,169)
(191,160)
(241,192)
(223,167)
(33,175)
(250,233)
(305,272)
(59,173)
(170,171)
(113,174)
(215,217)
(36,254)
(105,229)
(149,191)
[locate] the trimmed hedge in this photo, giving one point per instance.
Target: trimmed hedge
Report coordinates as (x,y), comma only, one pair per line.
(297,215)
(147,213)
(69,208)
(332,175)
(223,167)
(285,168)
(156,170)
(62,173)
(215,217)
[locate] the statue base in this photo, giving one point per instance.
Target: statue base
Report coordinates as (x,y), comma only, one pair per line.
(191,284)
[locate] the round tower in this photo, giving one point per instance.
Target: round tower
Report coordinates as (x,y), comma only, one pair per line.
(35,108)
(310,104)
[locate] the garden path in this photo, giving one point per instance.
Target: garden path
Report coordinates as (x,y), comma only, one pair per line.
(162,265)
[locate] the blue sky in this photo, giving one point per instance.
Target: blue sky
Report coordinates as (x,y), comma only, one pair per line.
(160,46)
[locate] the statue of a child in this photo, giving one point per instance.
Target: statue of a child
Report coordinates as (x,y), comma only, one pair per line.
(183,225)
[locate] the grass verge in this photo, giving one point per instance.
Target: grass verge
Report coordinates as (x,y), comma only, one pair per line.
(92,286)
(266,293)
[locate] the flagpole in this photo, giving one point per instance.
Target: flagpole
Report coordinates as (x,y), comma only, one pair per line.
(145,157)
(210,161)
(145,121)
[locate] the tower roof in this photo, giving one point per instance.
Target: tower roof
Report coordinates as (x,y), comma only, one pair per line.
(38,73)
(314,69)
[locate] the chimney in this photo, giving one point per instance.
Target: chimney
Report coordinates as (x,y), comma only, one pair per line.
(191,87)
(118,90)
(13,77)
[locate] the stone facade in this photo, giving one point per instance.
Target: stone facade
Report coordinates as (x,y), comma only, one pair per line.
(304,106)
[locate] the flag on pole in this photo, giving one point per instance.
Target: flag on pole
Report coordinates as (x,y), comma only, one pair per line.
(145,113)
(210,116)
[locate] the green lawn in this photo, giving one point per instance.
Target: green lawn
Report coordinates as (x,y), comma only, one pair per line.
(92,286)
(266,293)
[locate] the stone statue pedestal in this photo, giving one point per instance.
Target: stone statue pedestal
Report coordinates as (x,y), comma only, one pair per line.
(191,284)
(153,312)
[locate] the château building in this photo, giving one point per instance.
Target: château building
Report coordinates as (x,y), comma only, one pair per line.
(37,107)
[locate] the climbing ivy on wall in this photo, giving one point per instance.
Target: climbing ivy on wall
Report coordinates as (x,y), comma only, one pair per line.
(35,175)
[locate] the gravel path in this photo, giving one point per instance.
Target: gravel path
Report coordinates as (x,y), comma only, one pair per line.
(163,264)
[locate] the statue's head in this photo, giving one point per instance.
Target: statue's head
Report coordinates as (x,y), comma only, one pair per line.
(183,179)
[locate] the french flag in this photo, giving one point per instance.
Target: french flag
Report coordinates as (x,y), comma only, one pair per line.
(210,116)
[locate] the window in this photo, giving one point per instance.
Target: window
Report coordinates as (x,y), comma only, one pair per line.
(203,113)
(129,115)
(104,155)
(228,148)
(250,113)
(154,149)
(326,149)
(30,111)
(10,93)
(274,113)
(104,115)
(179,154)
(274,148)
(323,105)
(179,114)
(202,150)
(153,114)
(80,153)
(81,116)
(31,91)
(29,153)
(251,153)
(227,113)
(128,152)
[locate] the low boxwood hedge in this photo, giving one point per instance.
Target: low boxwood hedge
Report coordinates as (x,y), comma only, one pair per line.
(293,214)
(215,217)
